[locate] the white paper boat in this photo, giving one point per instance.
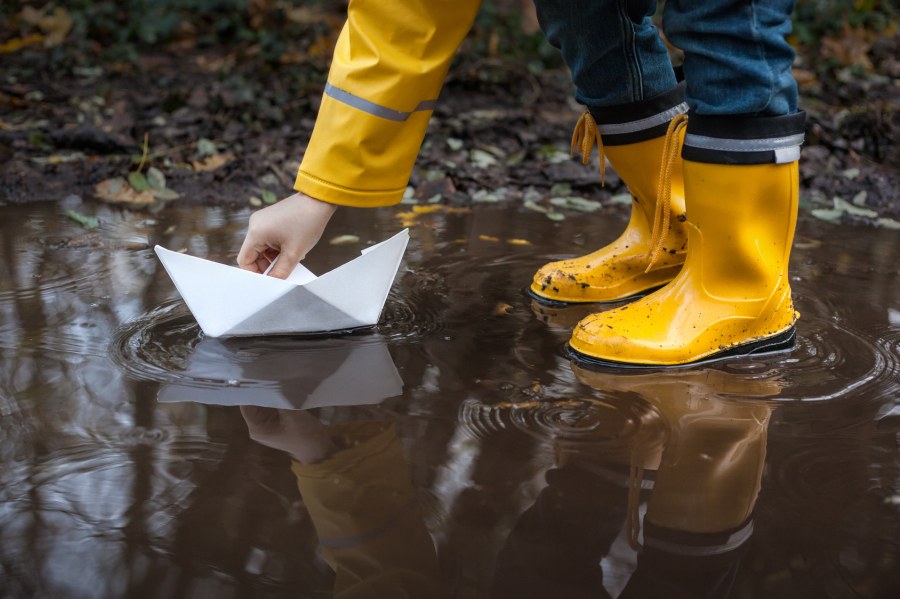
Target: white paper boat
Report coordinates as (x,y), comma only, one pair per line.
(228,301)
(285,373)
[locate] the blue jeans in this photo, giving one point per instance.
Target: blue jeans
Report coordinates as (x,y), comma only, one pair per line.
(737,61)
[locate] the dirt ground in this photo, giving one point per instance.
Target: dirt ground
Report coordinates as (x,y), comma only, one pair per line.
(209,123)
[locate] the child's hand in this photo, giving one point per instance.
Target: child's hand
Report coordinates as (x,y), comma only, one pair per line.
(288,229)
(297,433)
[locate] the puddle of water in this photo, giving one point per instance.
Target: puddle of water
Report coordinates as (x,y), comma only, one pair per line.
(451,452)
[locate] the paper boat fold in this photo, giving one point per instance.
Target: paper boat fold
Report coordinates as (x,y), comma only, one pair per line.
(228,301)
(284,373)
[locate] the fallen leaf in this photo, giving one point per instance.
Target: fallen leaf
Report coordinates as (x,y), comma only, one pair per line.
(255,201)
(426,209)
(518,242)
(556,216)
(118,191)
(59,158)
(206,147)
(501,309)
(454,144)
(488,238)
(305,15)
(850,47)
(90,222)
(268,197)
(888,223)
(482,159)
(532,205)
(576,203)
(165,194)
(138,181)
(56,25)
(156,178)
(18,43)
(491,197)
(211,163)
(621,198)
(842,204)
(344,240)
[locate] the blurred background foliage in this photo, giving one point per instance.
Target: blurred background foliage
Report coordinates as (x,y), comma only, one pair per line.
(273,28)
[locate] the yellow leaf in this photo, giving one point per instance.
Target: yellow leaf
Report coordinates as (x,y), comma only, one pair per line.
(488,238)
(211,163)
(417,209)
(20,42)
(518,242)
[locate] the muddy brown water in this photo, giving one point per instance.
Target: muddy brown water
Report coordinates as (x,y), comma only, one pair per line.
(463,455)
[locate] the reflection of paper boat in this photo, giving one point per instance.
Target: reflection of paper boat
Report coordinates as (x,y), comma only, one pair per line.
(287,373)
(228,301)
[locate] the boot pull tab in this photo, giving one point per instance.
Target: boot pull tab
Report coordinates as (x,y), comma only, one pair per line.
(584,137)
(662,218)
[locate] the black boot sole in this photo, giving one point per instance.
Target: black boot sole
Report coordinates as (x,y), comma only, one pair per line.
(551,303)
(780,342)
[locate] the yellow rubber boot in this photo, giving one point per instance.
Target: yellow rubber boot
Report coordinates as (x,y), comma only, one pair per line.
(732,296)
(619,270)
(634,139)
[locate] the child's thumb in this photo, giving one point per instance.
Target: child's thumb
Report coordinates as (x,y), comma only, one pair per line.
(287,262)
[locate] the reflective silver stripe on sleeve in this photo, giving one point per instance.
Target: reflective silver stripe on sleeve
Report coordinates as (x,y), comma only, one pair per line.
(642,124)
(743,145)
(373,108)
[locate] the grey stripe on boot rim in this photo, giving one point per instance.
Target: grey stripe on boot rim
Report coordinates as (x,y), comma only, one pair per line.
(784,149)
(735,540)
(374,109)
(642,124)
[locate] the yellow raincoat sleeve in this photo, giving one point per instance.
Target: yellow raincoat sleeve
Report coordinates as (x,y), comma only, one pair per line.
(389,65)
(365,510)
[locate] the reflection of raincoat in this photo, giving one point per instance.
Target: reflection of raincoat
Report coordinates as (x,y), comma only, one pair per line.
(389,64)
(364,508)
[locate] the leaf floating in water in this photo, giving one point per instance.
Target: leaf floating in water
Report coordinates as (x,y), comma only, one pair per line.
(556,216)
(488,238)
(518,242)
(344,240)
(89,222)
(502,309)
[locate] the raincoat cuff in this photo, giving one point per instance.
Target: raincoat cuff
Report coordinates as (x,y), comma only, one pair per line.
(334,193)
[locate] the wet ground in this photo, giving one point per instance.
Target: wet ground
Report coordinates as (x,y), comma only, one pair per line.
(453,451)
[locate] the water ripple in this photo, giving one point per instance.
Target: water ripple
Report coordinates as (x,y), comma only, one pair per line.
(588,424)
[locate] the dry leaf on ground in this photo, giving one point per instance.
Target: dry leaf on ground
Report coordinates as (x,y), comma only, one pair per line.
(211,163)
(118,191)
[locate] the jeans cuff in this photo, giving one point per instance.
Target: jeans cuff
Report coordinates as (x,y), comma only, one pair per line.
(639,121)
(744,139)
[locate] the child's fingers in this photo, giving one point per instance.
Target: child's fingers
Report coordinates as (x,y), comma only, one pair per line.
(287,261)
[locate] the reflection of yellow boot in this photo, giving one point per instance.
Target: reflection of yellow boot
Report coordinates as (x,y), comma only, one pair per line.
(709,472)
(620,270)
(733,296)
